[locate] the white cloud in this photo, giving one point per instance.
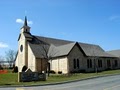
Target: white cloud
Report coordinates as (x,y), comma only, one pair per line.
(19,21)
(22,21)
(3,45)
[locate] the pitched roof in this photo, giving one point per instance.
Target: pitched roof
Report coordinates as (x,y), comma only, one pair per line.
(56,42)
(52,51)
(39,50)
(60,50)
(63,47)
(114,52)
(94,50)
(26,34)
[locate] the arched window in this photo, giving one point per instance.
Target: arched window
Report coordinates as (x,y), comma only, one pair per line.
(78,65)
(99,63)
(89,63)
(108,63)
(116,63)
(74,63)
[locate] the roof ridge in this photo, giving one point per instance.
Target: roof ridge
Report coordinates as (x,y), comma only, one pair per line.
(53,38)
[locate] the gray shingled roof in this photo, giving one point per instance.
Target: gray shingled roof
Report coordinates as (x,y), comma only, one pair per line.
(56,42)
(62,47)
(94,50)
(53,51)
(28,35)
(114,52)
(60,50)
(38,50)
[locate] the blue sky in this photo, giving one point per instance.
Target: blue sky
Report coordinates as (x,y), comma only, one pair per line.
(87,21)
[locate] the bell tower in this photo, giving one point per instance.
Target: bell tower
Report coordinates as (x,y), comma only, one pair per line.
(23,41)
(25,28)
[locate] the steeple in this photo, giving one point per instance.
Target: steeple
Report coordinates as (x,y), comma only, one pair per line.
(25,21)
(25,28)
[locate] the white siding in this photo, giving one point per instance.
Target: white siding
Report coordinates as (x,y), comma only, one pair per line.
(31,59)
(59,64)
(63,65)
(21,55)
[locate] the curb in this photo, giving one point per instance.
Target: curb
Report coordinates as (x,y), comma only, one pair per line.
(64,82)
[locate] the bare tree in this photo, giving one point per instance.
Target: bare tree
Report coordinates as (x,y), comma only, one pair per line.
(47,52)
(1,60)
(10,57)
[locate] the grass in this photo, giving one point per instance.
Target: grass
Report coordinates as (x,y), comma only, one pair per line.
(11,78)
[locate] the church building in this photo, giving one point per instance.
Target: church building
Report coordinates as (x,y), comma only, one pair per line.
(43,53)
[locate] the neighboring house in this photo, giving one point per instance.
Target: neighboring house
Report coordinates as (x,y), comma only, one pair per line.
(42,53)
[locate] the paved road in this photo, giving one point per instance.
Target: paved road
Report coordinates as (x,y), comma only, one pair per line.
(103,83)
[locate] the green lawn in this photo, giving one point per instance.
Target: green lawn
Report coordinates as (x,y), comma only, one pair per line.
(11,78)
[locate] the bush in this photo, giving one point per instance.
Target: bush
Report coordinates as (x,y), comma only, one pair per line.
(82,71)
(108,69)
(52,71)
(11,68)
(59,72)
(79,71)
(73,72)
(15,69)
(24,68)
(1,68)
